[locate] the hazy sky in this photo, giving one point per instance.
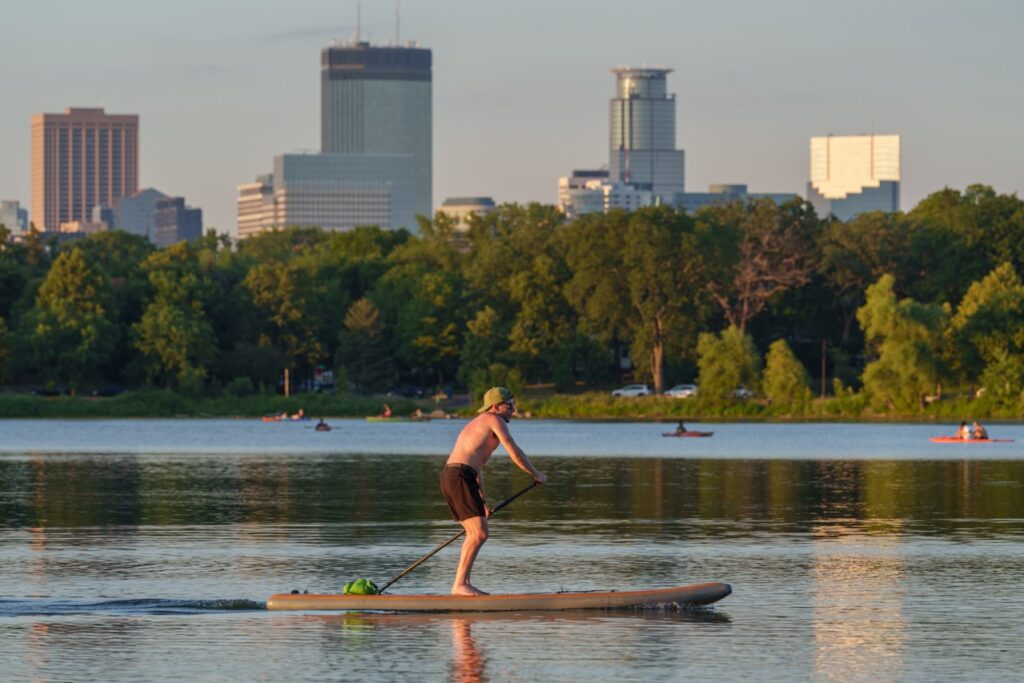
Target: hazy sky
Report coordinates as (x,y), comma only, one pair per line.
(521,88)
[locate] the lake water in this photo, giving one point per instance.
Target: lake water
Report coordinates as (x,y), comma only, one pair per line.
(145,550)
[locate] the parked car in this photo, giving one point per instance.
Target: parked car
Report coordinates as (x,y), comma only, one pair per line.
(632,390)
(741,392)
(682,391)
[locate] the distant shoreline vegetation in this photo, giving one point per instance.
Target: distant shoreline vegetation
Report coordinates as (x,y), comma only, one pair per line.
(162,403)
(897,315)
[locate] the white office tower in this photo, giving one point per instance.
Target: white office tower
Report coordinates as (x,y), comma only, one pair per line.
(642,134)
(852,174)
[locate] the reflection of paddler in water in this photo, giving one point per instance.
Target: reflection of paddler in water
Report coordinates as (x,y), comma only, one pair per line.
(468,662)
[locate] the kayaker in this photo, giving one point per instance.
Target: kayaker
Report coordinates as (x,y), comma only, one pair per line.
(963,432)
(322,426)
(462,480)
(979,432)
(387,411)
(681,428)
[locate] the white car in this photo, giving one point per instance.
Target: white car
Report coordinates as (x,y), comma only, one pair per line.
(682,391)
(633,390)
(742,393)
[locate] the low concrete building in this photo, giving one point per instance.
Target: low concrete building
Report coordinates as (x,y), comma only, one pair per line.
(723,193)
(13,217)
(460,209)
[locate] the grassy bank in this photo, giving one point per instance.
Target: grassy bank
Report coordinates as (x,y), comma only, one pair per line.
(158,403)
(591,405)
(853,407)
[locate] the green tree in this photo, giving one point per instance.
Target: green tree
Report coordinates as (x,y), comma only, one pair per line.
(726,362)
(904,337)
(635,277)
(422,298)
(485,343)
(988,330)
(785,377)
(5,350)
(174,334)
(754,251)
(517,268)
(989,225)
(362,349)
(120,256)
(284,294)
(68,329)
(1003,379)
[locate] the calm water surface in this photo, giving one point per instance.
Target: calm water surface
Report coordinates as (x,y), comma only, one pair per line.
(145,549)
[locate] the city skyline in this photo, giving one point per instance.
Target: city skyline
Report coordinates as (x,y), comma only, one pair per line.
(519,95)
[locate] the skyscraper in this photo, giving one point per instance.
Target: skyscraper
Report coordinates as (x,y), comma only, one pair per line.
(851,174)
(642,133)
(81,159)
(379,101)
(376,137)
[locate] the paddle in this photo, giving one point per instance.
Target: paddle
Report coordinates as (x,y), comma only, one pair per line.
(453,538)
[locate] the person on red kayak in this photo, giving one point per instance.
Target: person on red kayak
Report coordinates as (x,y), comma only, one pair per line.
(963,432)
(462,480)
(978,432)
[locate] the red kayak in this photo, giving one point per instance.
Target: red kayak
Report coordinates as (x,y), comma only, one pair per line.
(957,439)
(687,433)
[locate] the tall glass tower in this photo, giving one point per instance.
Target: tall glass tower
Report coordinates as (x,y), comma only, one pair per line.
(378,101)
(642,133)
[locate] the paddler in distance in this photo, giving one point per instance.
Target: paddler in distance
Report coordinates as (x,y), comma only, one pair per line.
(462,480)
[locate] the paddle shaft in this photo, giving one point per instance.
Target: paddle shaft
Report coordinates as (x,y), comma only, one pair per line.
(451,540)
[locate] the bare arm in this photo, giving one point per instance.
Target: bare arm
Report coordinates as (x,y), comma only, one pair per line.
(516,453)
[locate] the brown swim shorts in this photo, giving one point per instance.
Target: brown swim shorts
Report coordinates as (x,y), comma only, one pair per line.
(461,491)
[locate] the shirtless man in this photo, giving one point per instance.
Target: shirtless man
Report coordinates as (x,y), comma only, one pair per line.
(462,481)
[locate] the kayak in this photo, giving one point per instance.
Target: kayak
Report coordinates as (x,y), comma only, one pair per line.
(687,433)
(957,439)
(682,596)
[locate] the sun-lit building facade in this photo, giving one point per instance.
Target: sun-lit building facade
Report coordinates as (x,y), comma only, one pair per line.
(852,174)
(81,159)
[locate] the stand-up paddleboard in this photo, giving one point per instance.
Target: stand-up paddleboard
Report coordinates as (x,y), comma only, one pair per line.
(687,433)
(683,596)
(957,439)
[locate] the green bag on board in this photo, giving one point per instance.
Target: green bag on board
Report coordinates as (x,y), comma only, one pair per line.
(360,587)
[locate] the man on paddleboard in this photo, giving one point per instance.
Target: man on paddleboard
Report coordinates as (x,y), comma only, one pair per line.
(462,481)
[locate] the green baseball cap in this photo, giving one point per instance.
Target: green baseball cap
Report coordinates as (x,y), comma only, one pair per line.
(494,396)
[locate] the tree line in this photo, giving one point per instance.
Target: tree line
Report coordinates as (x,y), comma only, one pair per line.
(900,305)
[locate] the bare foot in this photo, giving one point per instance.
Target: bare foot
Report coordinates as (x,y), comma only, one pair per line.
(467,589)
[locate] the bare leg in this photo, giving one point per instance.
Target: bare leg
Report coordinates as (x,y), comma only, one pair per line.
(476,536)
